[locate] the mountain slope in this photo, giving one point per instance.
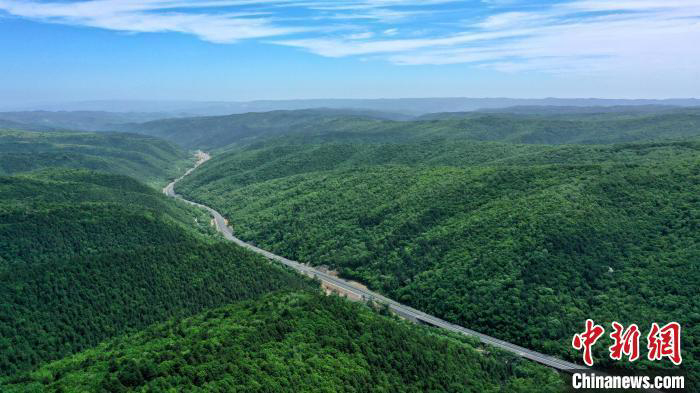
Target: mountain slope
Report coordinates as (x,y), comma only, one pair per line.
(90,256)
(240,167)
(76,120)
(290,342)
(520,242)
(317,126)
(221,131)
(149,159)
(6,124)
(85,256)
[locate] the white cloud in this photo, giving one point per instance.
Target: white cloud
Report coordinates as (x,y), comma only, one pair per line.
(333,47)
(191,17)
(580,36)
(391,32)
(154,16)
(583,36)
(507,19)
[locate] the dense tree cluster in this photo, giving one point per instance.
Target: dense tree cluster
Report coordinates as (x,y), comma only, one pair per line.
(289,342)
(86,256)
(484,219)
(321,126)
(520,242)
(146,158)
(243,166)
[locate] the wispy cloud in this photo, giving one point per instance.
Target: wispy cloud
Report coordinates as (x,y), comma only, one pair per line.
(155,16)
(333,47)
(582,36)
(506,35)
(575,36)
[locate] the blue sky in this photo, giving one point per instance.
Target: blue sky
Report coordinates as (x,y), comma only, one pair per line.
(256,49)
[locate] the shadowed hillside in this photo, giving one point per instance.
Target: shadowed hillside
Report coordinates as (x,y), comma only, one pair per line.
(149,159)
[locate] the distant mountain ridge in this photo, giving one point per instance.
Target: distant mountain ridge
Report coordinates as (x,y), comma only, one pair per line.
(73,120)
(411,106)
(148,159)
(111,121)
(565,111)
(318,126)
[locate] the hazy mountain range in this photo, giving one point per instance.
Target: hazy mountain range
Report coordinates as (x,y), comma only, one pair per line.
(409,106)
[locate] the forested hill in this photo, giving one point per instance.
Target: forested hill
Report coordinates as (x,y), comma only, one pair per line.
(6,124)
(523,242)
(241,167)
(146,158)
(90,257)
(317,126)
(85,256)
(76,120)
(289,342)
(220,131)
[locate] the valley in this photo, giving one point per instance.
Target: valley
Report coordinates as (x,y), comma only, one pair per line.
(519,241)
(506,242)
(89,258)
(360,293)
(358,196)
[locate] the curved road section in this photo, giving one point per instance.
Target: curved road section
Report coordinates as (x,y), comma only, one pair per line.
(398,308)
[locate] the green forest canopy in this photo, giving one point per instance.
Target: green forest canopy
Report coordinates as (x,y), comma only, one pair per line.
(289,342)
(85,256)
(523,242)
(487,221)
(321,126)
(148,159)
(89,256)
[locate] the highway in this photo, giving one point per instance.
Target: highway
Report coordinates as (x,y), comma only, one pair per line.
(344,286)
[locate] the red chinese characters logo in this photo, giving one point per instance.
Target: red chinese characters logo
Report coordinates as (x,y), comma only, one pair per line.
(625,342)
(662,342)
(587,339)
(665,342)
